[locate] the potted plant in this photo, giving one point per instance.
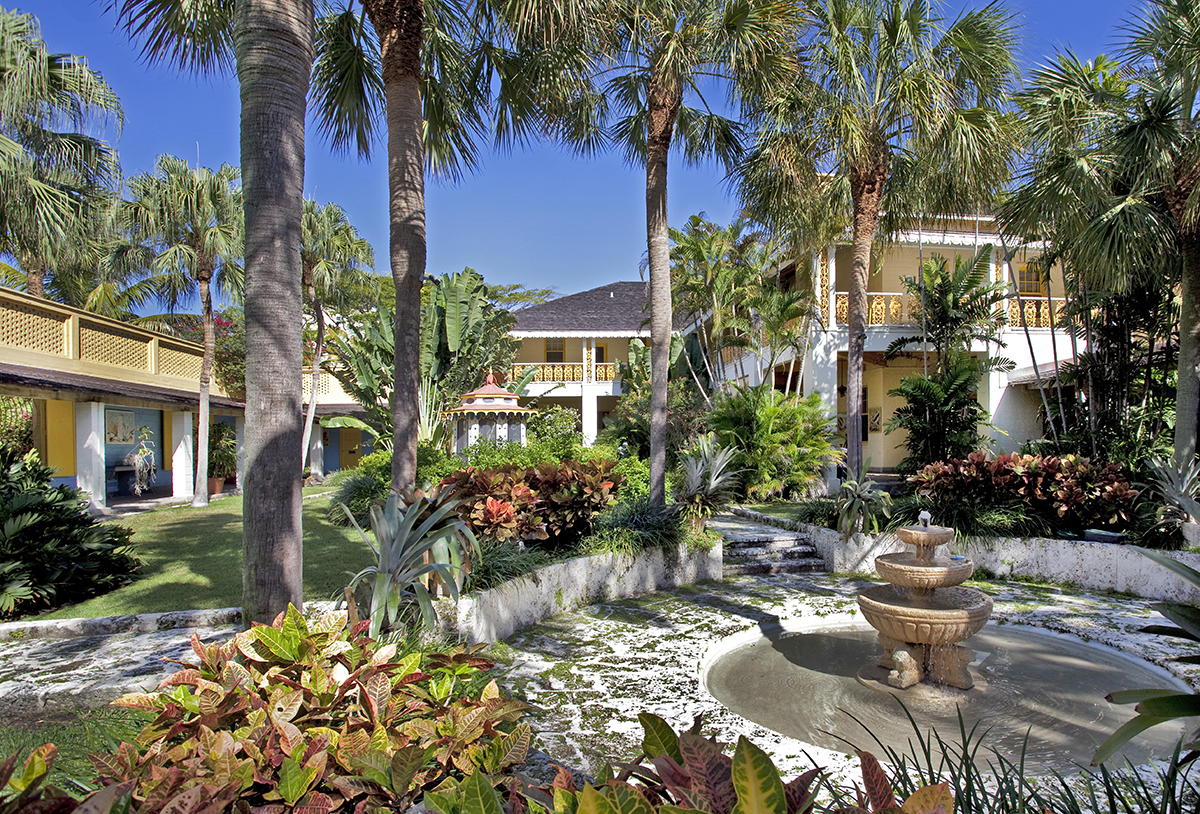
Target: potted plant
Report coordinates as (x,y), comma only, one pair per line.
(141,458)
(222,456)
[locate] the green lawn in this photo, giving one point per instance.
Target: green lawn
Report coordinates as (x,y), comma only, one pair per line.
(193,559)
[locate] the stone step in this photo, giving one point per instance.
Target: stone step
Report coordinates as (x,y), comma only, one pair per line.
(769,544)
(805,565)
(796,552)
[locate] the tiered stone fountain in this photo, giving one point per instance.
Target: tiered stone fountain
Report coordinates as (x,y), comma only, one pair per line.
(923,614)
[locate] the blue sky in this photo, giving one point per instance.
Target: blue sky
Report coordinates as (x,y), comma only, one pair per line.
(540,216)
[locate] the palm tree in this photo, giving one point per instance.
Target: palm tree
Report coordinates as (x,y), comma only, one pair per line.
(711,282)
(186,227)
(654,55)
(897,114)
(49,176)
(331,256)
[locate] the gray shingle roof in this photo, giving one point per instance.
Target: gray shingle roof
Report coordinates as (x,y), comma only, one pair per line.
(617,307)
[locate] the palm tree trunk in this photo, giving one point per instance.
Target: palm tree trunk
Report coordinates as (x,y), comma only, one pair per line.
(200,497)
(866,190)
(274,50)
(398,24)
(35,282)
(315,380)
(663,107)
(1187,394)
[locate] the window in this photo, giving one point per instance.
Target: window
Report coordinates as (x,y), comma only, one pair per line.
(1030,280)
(556,350)
(601,354)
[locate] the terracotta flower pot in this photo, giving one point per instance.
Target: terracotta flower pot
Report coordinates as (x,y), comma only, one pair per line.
(215,486)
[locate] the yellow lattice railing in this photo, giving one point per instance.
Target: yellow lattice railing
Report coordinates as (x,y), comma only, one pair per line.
(606,372)
(1037,312)
(883,308)
(730,354)
(329,389)
(552,372)
(57,337)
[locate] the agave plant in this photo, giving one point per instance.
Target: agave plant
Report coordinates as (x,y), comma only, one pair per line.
(414,544)
(860,505)
(1179,483)
(709,484)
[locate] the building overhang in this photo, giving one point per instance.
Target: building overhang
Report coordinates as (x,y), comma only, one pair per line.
(56,384)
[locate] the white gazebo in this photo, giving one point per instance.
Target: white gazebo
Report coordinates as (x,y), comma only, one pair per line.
(490,413)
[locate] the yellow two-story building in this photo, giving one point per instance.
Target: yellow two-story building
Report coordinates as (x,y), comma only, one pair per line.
(575,342)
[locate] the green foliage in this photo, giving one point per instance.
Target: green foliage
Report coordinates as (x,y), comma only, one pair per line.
(783,442)
(413,544)
(634,525)
(498,561)
(51,551)
(861,506)
(1179,486)
(1014,518)
(1161,706)
(709,484)
(371,481)
(555,433)
(222,450)
(229,361)
(1067,494)
(941,414)
(16,423)
(628,426)
(315,717)
(363,361)
(554,501)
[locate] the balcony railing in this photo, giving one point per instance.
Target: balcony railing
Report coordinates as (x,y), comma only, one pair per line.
(48,335)
(567,372)
(885,308)
(1037,312)
(329,389)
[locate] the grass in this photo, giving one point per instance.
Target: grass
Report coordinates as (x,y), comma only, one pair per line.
(76,735)
(193,559)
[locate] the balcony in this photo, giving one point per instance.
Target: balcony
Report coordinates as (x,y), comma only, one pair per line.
(885,308)
(43,334)
(567,372)
(329,389)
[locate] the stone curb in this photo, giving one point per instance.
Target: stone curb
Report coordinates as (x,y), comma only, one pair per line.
(108,625)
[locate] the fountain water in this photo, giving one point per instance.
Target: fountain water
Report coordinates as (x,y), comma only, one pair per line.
(922,614)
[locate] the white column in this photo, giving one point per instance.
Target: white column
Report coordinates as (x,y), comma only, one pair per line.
(831,292)
(820,368)
(183,463)
(590,416)
(316,453)
(239,430)
(89,453)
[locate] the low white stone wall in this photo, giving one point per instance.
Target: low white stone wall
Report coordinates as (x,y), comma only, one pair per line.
(1091,566)
(494,615)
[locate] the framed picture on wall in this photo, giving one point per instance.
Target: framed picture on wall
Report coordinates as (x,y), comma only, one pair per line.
(119,427)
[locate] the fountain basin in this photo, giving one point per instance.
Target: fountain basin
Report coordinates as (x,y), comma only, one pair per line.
(925,536)
(947,616)
(907,570)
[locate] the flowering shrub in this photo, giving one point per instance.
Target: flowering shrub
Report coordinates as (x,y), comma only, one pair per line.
(1071,492)
(16,423)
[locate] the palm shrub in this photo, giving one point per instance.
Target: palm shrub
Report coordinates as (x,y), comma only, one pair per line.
(628,426)
(51,551)
(941,414)
(222,451)
(862,506)
(783,442)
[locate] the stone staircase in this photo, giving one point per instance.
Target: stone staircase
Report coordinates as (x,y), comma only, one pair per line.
(752,549)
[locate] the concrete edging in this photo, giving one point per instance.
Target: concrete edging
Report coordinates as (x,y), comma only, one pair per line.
(1091,566)
(108,625)
(496,614)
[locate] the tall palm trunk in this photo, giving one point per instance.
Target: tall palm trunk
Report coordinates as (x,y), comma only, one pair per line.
(398,23)
(1187,398)
(663,107)
(273,43)
(866,190)
(315,379)
(35,280)
(200,496)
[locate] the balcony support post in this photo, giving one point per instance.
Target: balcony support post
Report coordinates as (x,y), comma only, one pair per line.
(183,462)
(831,293)
(589,416)
(90,474)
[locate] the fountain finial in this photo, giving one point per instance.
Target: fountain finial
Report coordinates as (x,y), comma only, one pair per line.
(924,518)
